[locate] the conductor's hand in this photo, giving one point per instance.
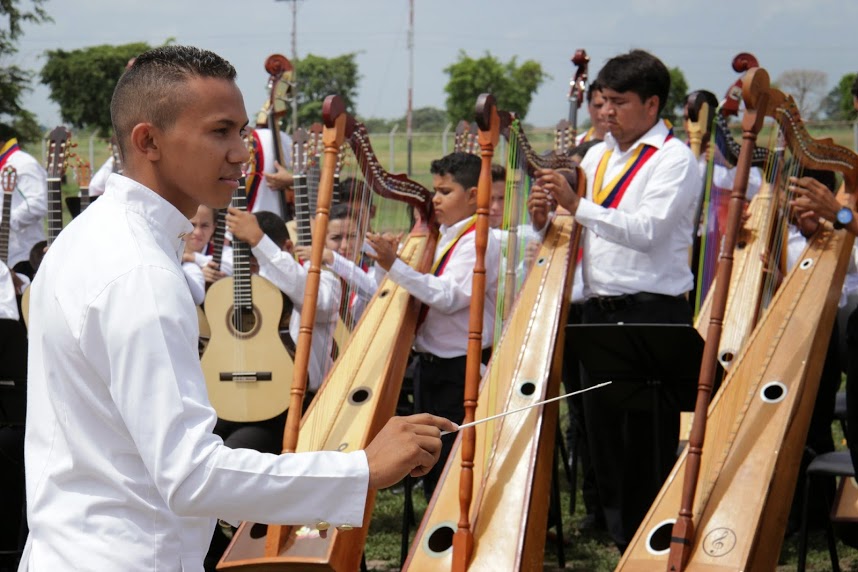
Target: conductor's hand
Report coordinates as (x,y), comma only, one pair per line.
(405,446)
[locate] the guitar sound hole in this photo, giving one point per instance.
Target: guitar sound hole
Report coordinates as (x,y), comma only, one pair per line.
(441,539)
(243,323)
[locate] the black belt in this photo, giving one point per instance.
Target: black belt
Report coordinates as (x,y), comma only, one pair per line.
(432,358)
(616,303)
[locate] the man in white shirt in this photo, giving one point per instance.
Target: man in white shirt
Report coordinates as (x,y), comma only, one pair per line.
(638,215)
(123,471)
(29,202)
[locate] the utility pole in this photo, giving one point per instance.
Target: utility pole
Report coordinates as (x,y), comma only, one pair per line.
(294,60)
(410,79)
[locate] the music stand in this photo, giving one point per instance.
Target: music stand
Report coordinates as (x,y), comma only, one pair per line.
(650,365)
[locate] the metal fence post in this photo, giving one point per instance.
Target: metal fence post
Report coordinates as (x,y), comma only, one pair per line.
(392,152)
(444,139)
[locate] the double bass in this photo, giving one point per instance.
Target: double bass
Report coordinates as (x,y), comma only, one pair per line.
(722,507)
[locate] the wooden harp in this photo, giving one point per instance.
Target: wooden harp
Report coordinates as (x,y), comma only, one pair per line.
(507,463)
(730,484)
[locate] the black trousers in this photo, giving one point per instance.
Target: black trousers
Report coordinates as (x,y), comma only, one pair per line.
(440,390)
(623,443)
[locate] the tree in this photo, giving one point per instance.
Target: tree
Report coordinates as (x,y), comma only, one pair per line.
(838,104)
(14,81)
(82,81)
(512,85)
(676,96)
(807,87)
(319,77)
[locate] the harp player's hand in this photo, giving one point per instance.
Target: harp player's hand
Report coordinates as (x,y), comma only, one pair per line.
(811,195)
(405,446)
(383,249)
(556,185)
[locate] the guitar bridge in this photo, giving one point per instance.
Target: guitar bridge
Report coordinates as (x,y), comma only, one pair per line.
(240,376)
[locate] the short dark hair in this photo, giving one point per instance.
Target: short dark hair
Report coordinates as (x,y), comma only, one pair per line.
(151,89)
(464,168)
(592,88)
(855,86)
(498,173)
(6,132)
(639,72)
(273,226)
(703,96)
(340,211)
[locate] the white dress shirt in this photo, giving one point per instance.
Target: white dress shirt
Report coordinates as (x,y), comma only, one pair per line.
(642,245)
(282,270)
(444,332)
(123,471)
(194,272)
(362,284)
(267,198)
(99,180)
(8,301)
(29,206)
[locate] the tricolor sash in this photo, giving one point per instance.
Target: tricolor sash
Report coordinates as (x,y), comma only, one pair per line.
(610,195)
(10,148)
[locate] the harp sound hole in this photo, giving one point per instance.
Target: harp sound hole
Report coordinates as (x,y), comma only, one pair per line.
(659,538)
(384,293)
(806,263)
(342,447)
(441,539)
(258,531)
(527,388)
(741,244)
(359,395)
(773,392)
(540,261)
(727,357)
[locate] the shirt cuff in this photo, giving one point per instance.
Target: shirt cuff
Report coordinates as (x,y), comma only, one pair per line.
(588,212)
(266,248)
(396,271)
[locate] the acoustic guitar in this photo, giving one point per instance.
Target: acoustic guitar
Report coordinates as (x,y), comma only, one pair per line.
(248,370)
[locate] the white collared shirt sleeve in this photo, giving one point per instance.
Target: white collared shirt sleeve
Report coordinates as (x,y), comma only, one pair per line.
(150,358)
(363,283)
(665,199)
(449,292)
(283,271)
(99,180)
(196,281)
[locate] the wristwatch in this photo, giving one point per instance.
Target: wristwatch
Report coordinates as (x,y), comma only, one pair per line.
(844,217)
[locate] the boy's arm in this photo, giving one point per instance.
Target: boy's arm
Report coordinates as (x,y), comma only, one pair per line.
(451,291)
(363,284)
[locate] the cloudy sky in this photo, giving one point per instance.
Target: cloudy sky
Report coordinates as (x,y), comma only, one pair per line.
(700,38)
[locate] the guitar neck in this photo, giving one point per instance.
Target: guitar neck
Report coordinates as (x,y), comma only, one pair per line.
(242,292)
(4,227)
(219,237)
(302,210)
(55,208)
